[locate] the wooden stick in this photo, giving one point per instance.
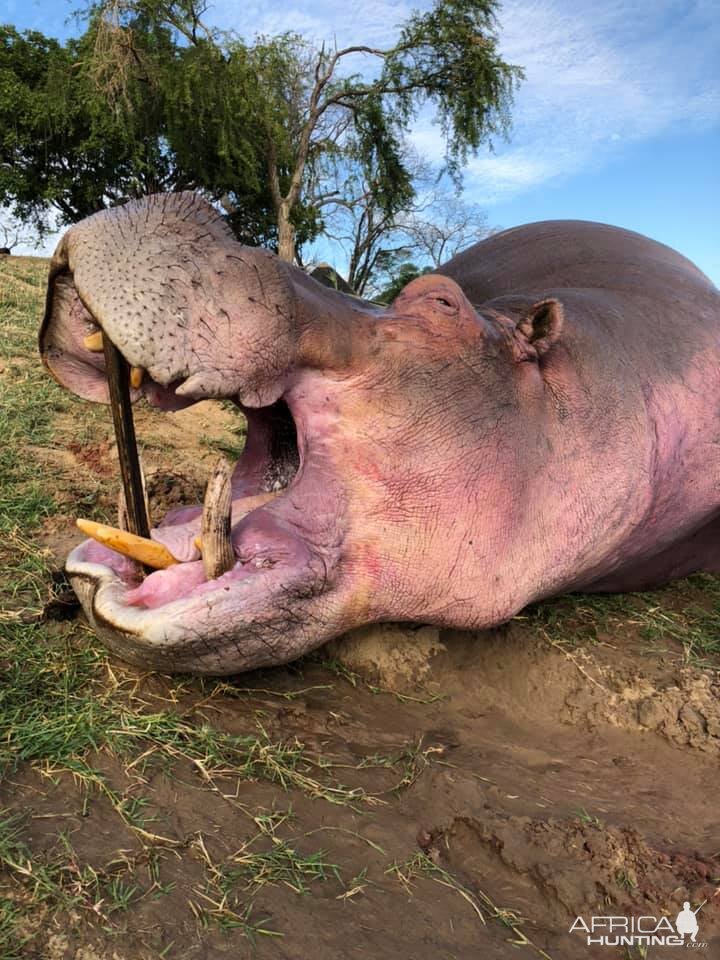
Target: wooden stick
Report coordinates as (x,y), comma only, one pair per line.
(118,375)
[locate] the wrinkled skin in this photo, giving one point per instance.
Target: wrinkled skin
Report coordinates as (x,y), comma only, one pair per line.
(539,417)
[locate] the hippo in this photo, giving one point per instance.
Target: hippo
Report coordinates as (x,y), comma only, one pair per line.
(539,416)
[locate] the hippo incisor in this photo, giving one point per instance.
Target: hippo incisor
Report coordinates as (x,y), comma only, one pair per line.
(539,416)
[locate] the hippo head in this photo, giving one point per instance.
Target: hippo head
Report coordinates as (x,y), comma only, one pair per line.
(391,440)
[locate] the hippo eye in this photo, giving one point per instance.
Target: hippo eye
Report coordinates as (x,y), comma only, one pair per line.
(443,303)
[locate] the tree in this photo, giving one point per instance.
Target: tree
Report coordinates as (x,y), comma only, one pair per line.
(358,217)
(430,226)
(301,96)
(444,227)
(59,148)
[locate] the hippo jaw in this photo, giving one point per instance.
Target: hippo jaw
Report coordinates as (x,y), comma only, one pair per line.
(264,610)
(255,614)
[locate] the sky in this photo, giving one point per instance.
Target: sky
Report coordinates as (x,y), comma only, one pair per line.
(618,119)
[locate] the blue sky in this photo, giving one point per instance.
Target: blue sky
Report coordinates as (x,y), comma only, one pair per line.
(618,119)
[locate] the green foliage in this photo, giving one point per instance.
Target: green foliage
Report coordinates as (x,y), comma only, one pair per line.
(449,55)
(59,147)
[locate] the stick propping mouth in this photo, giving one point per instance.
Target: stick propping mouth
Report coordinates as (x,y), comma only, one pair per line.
(118,376)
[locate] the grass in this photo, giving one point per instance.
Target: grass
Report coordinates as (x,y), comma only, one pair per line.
(58,881)
(422,866)
(686,614)
(231,447)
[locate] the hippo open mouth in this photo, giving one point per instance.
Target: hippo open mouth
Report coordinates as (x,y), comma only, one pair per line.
(191,561)
(435,461)
(284,503)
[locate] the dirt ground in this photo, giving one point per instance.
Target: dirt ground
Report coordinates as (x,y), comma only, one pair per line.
(449,795)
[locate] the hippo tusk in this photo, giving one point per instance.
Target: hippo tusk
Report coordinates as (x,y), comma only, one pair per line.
(218,555)
(240,509)
(145,551)
(136,377)
(94,342)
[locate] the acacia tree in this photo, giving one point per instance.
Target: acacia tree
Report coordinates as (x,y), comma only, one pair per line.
(302,97)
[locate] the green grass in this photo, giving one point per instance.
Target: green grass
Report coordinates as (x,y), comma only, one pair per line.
(673,615)
(231,447)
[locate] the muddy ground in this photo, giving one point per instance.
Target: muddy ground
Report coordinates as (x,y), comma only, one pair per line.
(441,794)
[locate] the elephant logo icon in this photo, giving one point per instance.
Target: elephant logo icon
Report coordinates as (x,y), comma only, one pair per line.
(686,922)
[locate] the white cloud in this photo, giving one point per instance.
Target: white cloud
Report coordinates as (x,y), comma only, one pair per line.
(599,76)
(371,22)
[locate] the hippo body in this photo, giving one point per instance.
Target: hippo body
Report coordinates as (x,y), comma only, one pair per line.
(635,378)
(539,416)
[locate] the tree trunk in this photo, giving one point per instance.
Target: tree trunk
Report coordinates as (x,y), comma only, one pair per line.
(286,234)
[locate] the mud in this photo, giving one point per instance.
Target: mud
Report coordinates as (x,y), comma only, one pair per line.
(514,783)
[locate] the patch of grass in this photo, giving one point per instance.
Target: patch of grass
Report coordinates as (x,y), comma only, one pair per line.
(625,880)
(412,761)
(12,937)
(672,614)
(231,448)
(587,818)
(264,860)
(55,709)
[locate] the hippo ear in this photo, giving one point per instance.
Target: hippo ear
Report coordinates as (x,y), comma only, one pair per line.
(541,326)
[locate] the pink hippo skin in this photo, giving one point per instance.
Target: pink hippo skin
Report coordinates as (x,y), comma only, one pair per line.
(540,416)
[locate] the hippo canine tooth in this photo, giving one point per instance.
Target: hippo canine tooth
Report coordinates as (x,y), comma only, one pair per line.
(241,508)
(136,377)
(94,341)
(218,555)
(147,552)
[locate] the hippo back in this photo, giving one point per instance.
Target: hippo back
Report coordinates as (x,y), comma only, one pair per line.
(561,254)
